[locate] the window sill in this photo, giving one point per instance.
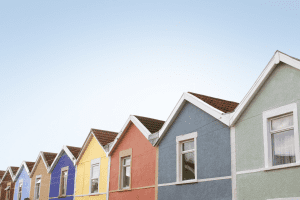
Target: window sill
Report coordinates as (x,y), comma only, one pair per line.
(282,166)
(187,182)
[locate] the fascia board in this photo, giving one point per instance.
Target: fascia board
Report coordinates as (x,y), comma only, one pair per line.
(119,134)
(86,142)
(261,80)
(100,144)
(69,153)
(11,173)
(140,126)
(198,103)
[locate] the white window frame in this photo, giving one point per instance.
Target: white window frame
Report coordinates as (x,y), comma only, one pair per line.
(36,178)
(122,171)
(61,180)
(273,113)
(20,184)
(94,162)
(179,140)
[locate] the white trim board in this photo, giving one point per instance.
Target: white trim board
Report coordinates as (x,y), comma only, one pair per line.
(194,181)
(186,97)
(278,57)
(137,123)
(8,170)
(23,165)
(40,156)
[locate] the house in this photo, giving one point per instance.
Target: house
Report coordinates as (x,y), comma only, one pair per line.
(194,159)
(22,181)
(133,160)
(92,165)
(62,173)
(40,178)
(7,184)
(265,127)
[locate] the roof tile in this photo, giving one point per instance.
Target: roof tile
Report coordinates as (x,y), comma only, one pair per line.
(220,104)
(2,173)
(153,125)
(49,157)
(30,165)
(74,150)
(104,137)
(14,170)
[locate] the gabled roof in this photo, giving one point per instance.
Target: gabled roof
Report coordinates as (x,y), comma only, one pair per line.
(1,173)
(275,60)
(27,166)
(103,137)
(74,150)
(218,108)
(47,159)
(220,104)
(9,171)
(147,126)
(65,149)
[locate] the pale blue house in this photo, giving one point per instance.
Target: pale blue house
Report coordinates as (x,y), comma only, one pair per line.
(22,181)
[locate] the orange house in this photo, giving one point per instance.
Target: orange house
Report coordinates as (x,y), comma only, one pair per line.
(133,169)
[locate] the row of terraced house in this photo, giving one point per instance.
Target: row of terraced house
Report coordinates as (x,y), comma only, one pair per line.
(207,149)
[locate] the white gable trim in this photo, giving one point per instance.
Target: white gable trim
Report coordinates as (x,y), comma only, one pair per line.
(186,97)
(23,165)
(40,156)
(58,156)
(137,123)
(278,56)
(8,170)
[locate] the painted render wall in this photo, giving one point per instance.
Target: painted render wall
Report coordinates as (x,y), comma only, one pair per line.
(93,151)
(213,156)
(142,169)
(5,182)
(45,181)
(26,185)
(56,175)
(281,88)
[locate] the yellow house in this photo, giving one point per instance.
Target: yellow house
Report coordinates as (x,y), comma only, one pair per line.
(92,166)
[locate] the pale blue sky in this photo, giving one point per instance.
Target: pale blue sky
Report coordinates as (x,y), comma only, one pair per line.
(68,66)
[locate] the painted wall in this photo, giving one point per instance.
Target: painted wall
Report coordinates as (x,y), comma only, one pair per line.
(281,88)
(64,161)
(45,181)
(6,180)
(26,185)
(213,154)
(142,169)
(93,151)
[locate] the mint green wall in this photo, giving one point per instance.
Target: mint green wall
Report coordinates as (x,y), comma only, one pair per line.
(265,185)
(281,88)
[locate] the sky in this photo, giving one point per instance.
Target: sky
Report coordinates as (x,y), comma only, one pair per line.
(69,66)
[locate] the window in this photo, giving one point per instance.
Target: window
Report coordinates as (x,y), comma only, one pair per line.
(20,189)
(125,177)
(281,137)
(63,181)
(7,192)
(95,173)
(187,157)
(125,169)
(37,187)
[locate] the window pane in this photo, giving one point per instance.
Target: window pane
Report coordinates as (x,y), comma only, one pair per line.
(94,188)
(37,190)
(95,171)
(188,145)
(126,161)
(283,148)
(188,166)
(126,176)
(282,122)
(64,182)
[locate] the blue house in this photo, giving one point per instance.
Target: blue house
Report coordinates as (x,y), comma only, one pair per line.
(194,150)
(22,181)
(62,173)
